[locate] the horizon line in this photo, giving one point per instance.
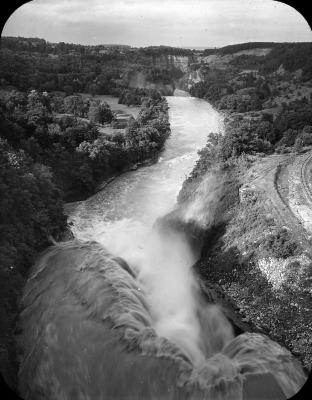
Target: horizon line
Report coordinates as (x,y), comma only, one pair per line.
(151,45)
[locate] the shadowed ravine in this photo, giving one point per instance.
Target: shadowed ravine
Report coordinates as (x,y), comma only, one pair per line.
(117,313)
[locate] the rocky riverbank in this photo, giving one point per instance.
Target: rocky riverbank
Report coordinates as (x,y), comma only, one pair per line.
(250,263)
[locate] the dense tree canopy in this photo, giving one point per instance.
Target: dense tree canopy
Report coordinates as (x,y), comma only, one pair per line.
(240,102)
(34,63)
(71,142)
(31,208)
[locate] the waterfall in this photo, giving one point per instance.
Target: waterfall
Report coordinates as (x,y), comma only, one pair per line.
(118,313)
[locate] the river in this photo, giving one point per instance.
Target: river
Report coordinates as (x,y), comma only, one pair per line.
(121,218)
(150,192)
(104,328)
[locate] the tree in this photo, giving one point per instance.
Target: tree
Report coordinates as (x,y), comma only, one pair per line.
(263,90)
(289,137)
(93,89)
(265,131)
(74,135)
(100,112)
(298,144)
(54,129)
(37,108)
(74,105)
(240,102)
(240,139)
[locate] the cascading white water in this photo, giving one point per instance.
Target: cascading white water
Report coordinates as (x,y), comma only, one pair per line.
(91,330)
(122,217)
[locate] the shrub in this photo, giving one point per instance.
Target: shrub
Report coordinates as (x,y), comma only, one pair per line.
(74,105)
(298,144)
(280,244)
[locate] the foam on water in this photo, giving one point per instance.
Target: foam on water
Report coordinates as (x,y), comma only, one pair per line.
(122,220)
(88,333)
(93,330)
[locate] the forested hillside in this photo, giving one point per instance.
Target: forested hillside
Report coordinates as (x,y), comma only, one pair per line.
(34,63)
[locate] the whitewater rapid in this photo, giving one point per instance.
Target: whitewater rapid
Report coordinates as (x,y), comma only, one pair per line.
(122,216)
(118,314)
(151,191)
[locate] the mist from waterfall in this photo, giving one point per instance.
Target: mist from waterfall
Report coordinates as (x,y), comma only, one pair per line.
(162,260)
(118,313)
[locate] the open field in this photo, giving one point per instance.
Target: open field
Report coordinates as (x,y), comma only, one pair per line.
(108,130)
(113,103)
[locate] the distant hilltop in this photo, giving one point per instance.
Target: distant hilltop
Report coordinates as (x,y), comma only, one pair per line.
(124,46)
(42,45)
(200,47)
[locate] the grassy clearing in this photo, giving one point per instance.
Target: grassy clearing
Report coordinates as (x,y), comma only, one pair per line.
(113,103)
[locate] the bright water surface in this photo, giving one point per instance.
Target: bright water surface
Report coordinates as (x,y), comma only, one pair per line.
(150,192)
(121,217)
(89,326)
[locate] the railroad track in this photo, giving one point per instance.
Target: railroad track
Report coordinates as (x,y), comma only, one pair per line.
(281,206)
(305,176)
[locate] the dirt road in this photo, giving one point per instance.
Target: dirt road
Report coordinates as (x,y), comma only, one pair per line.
(293,183)
(285,182)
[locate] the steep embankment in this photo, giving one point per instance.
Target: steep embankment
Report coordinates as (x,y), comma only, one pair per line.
(169,72)
(257,251)
(257,244)
(140,79)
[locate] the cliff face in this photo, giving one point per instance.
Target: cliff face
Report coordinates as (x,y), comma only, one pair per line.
(170,60)
(180,62)
(140,80)
(189,76)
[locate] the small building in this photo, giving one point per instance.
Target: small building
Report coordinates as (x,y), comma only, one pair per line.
(247,72)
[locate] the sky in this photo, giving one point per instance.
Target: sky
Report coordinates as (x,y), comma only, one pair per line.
(180,23)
